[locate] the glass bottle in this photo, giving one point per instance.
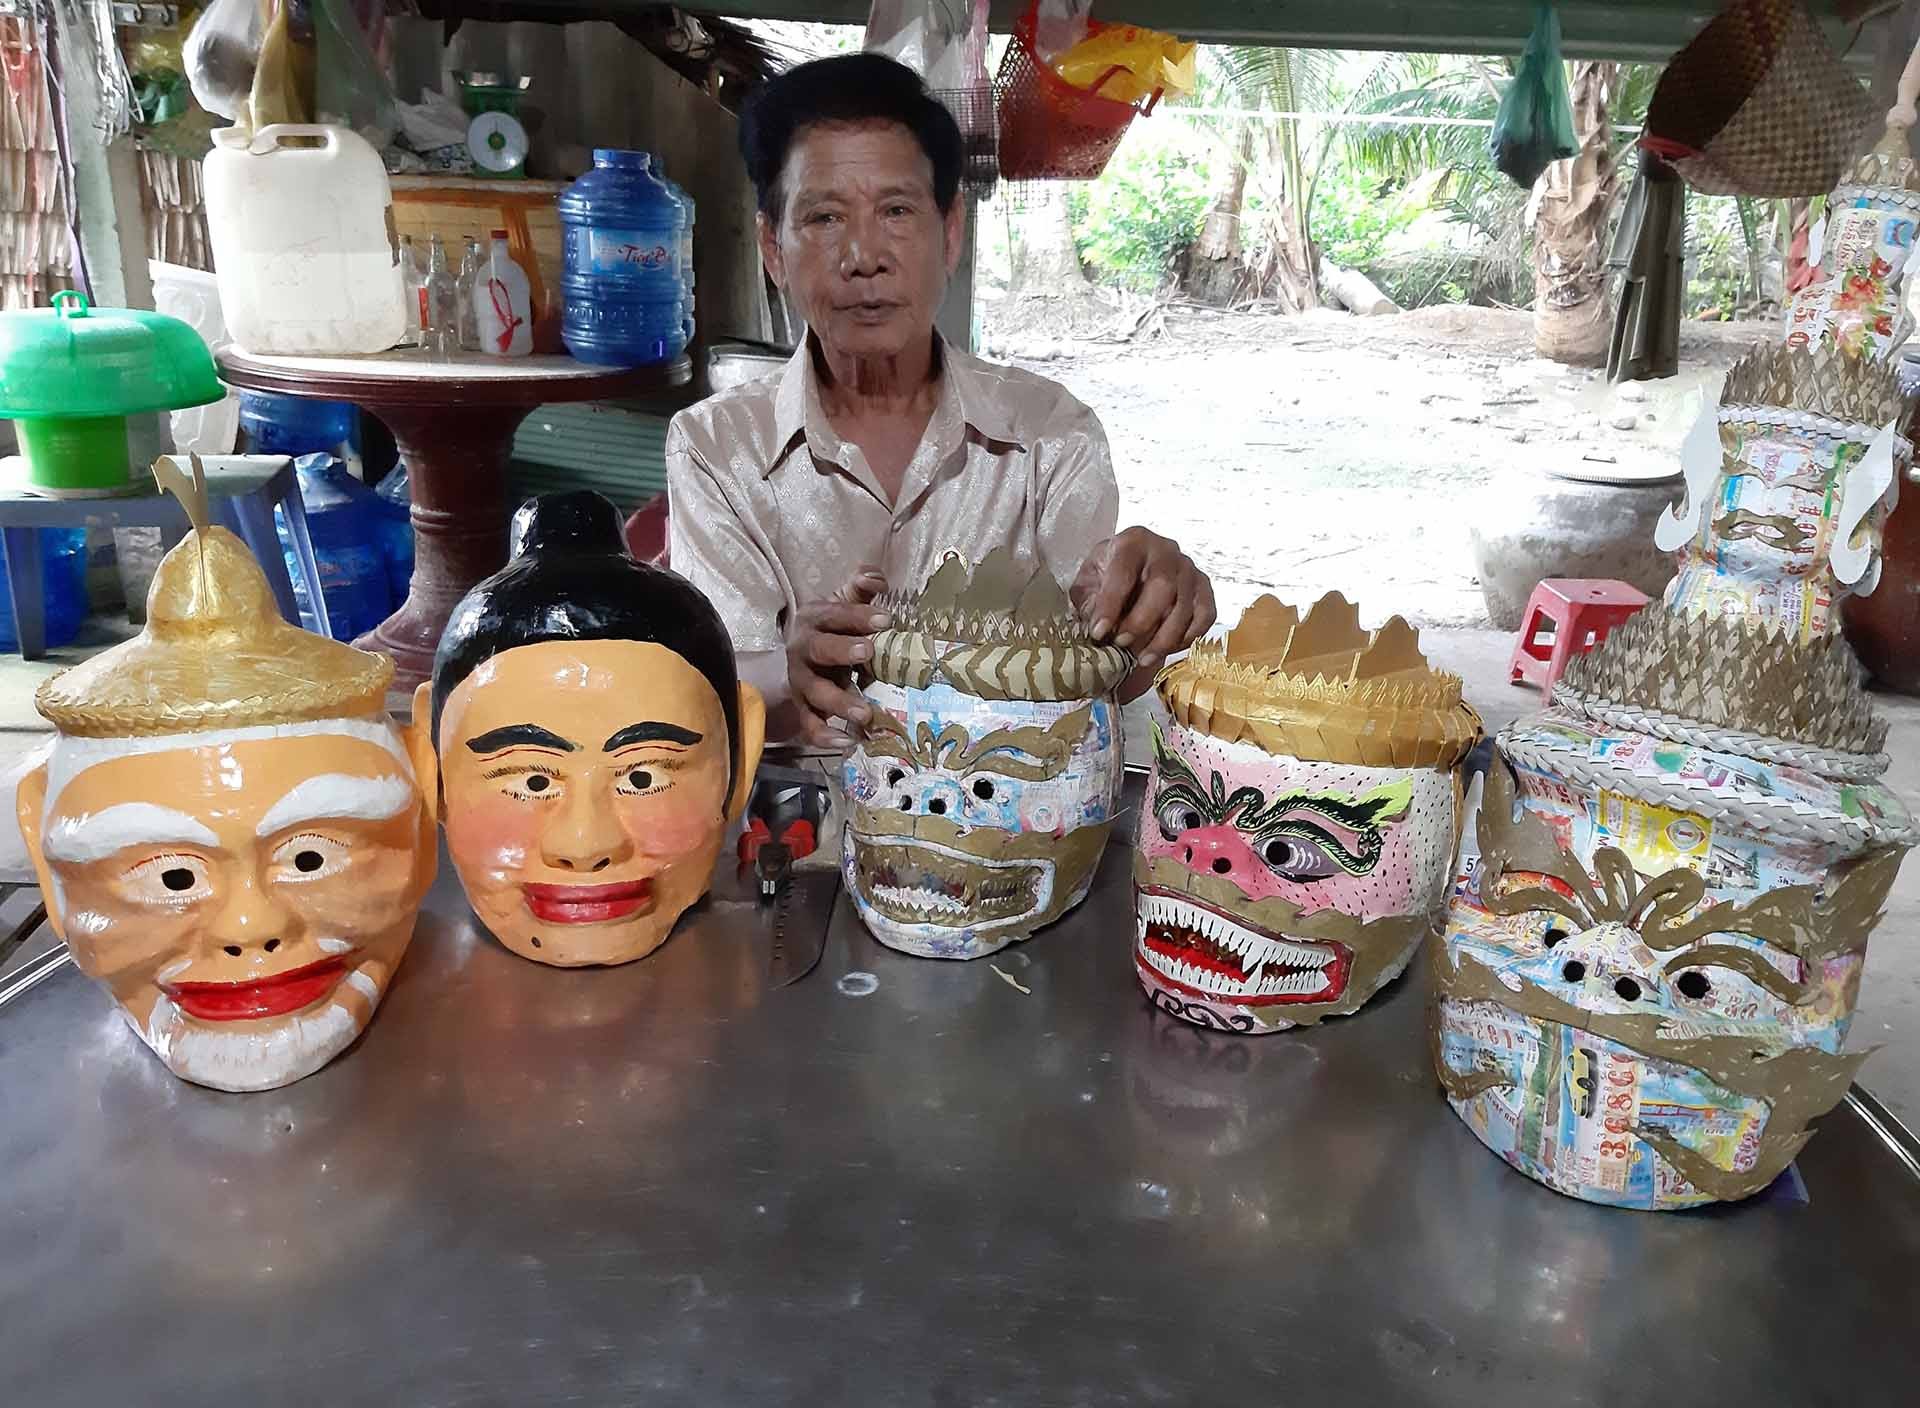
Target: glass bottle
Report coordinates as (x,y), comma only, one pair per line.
(410,282)
(470,275)
(443,316)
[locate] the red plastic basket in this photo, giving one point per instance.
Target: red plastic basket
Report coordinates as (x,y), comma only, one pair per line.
(1049,129)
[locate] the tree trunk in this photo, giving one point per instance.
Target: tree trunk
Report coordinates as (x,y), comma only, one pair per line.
(1046,263)
(1213,273)
(1570,320)
(1287,268)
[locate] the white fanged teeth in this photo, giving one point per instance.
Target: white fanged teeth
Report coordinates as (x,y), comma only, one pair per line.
(919,899)
(1255,951)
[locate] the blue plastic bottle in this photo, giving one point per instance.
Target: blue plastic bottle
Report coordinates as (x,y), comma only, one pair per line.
(341,521)
(295,425)
(626,289)
(63,584)
(686,252)
(393,509)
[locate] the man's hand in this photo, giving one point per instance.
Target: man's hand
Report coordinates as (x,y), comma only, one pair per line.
(828,639)
(1138,590)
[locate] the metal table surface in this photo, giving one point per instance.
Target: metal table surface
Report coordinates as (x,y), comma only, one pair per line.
(666,1183)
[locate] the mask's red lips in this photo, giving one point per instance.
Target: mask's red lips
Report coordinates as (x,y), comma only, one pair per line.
(587,904)
(263,997)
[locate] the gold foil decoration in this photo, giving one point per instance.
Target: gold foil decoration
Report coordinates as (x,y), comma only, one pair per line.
(214,654)
(1798,1084)
(1322,689)
(996,632)
(1730,673)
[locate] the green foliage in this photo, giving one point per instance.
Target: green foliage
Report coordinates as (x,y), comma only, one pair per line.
(1358,213)
(1150,201)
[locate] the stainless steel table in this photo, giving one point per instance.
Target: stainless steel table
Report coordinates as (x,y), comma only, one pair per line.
(667,1184)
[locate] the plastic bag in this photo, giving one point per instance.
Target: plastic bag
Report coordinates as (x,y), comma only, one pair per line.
(350,89)
(1126,63)
(944,41)
(221,53)
(1534,127)
(1058,25)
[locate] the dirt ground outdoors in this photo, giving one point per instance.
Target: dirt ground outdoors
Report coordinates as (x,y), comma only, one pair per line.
(1299,454)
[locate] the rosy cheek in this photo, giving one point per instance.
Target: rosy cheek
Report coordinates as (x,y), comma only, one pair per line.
(672,828)
(498,836)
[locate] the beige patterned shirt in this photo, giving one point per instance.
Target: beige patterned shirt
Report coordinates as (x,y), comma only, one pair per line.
(772,511)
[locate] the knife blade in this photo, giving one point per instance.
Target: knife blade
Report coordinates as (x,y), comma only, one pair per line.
(802,915)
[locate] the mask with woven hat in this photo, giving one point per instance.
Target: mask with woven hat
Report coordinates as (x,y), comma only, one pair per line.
(1301,818)
(983,788)
(229,832)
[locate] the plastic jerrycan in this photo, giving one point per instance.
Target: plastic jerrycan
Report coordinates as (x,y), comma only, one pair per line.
(301,222)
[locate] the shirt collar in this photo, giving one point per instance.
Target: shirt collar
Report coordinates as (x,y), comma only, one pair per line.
(968,384)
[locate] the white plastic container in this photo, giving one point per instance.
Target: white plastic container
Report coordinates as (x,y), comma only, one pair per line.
(301,223)
(503,303)
(193,296)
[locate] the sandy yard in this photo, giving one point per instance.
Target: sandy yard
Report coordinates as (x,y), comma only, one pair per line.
(1301,454)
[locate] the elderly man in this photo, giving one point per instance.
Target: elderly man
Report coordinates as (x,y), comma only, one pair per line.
(797,499)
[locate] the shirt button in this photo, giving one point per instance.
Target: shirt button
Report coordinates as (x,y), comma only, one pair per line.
(897,526)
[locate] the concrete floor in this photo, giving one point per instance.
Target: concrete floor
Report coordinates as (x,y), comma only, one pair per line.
(1889,1013)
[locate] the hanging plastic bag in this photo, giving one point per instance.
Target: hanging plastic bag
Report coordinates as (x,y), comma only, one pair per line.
(350,89)
(221,53)
(1126,63)
(1059,25)
(1534,127)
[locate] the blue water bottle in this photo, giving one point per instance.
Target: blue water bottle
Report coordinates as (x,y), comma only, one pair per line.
(340,521)
(624,280)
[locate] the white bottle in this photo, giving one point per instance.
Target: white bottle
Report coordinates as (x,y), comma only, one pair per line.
(503,304)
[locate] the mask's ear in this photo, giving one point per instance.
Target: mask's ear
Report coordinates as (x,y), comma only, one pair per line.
(750,738)
(426,762)
(30,805)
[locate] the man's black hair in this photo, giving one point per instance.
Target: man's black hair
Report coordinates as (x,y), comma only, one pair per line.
(572,578)
(846,88)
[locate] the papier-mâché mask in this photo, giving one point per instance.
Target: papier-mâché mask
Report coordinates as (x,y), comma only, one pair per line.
(594,741)
(228,831)
(984,786)
(1301,818)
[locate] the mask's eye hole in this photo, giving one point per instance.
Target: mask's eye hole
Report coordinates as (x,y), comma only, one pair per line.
(177,879)
(1176,818)
(983,789)
(1574,970)
(308,861)
(1628,989)
(1693,984)
(895,777)
(1553,936)
(1292,858)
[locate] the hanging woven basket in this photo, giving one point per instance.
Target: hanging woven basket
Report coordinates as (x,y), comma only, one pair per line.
(1759,105)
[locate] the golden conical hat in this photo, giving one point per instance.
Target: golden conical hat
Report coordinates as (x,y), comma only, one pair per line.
(215,654)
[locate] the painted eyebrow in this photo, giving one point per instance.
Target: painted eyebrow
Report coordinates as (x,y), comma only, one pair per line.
(652,731)
(81,840)
(338,796)
(519,735)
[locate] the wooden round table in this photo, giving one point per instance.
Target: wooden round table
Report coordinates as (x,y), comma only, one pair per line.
(453,423)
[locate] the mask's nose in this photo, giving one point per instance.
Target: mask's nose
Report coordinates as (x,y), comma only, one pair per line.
(1222,850)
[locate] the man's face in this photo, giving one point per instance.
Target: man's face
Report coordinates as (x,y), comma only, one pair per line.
(1273,891)
(585,796)
(246,900)
(860,244)
(975,821)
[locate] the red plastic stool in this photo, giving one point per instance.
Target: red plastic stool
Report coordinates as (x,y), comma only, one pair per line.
(1567,616)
